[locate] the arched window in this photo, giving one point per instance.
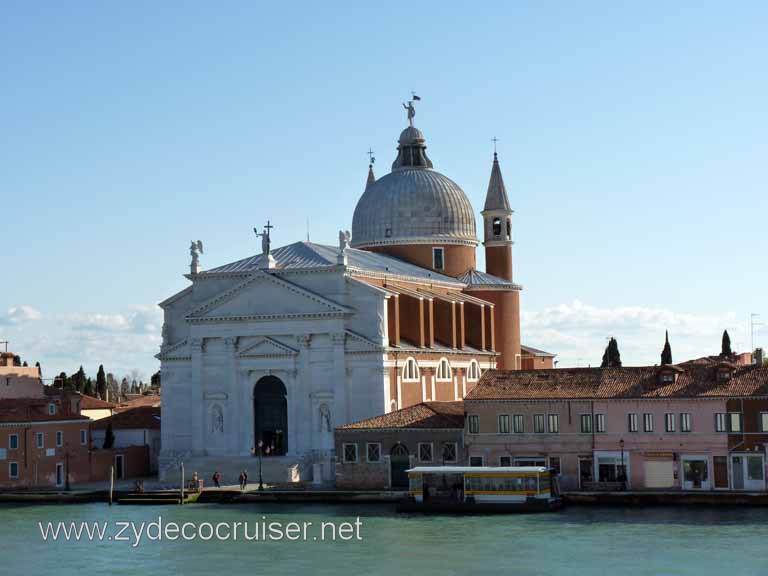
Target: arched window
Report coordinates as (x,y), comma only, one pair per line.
(443,369)
(473,371)
(497,226)
(410,370)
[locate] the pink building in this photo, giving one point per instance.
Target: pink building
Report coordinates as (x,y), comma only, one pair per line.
(618,428)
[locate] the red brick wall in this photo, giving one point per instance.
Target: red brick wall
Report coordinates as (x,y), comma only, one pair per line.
(458,259)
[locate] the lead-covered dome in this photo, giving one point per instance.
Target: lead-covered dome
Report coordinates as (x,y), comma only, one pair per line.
(413,204)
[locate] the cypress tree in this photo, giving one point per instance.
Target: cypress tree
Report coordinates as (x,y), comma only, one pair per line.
(109,437)
(611,356)
(666,353)
(726,346)
(101,382)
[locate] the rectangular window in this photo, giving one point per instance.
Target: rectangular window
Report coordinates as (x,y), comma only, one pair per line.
(505,461)
(685,422)
(600,423)
(438,258)
(350,453)
(51,409)
(83,438)
(734,422)
(554,465)
(586,423)
(13,441)
(669,422)
(59,439)
(449,452)
(553,423)
(13,470)
(503,423)
(721,422)
(647,422)
(538,423)
(40,440)
(764,421)
(425,451)
(476,461)
(518,421)
(632,422)
(474,423)
(373,452)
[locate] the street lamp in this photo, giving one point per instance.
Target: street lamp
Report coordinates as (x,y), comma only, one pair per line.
(261,481)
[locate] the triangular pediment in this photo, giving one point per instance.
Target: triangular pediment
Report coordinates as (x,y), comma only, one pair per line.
(265,296)
(267,348)
(177,351)
(357,343)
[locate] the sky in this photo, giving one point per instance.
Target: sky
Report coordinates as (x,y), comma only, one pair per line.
(632,139)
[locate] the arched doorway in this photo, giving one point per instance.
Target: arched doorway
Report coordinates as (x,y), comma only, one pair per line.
(399,462)
(270,416)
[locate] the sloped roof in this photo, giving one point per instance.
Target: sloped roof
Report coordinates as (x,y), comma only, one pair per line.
(477,279)
(426,415)
(152,400)
(33,410)
(91,403)
(302,255)
(535,351)
(140,417)
(695,380)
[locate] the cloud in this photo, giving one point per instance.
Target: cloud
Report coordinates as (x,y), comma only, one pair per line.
(140,320)
(19,315)
(577,332)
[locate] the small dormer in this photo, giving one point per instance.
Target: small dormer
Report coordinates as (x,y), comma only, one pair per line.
(668,374)
(725,371)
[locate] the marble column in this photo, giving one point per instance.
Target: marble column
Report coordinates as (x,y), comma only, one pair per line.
(342,411)
(304,387)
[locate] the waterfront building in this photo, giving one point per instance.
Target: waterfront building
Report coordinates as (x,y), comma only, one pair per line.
(44,440)
(272,352)
(700,425)
(375,453)
(135,428)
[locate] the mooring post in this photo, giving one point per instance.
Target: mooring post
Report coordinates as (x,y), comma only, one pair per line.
(111,483)
(182,483)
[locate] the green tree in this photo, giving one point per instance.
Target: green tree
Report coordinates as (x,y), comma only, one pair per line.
(666,353)
(78,380)
(88,387)
(101,382)
(611,356)
(109,437)
(726,346)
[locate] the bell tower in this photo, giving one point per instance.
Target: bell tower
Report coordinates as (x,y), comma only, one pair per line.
(497,226)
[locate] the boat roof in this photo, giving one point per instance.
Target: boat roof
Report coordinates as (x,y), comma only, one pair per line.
(475,469)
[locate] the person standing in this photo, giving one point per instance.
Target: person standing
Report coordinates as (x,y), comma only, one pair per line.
(245,480)
(242,481)
(217,479)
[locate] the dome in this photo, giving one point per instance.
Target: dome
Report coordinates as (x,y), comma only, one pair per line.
(413,205)
(410,136)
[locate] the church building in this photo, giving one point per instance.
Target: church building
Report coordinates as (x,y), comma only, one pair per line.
(272,352)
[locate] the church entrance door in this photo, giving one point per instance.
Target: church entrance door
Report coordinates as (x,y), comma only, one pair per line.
(270,411)
(398,464)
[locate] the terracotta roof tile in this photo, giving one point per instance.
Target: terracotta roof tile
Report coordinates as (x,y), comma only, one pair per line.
(33,410)
(697,379)
(432,415)
(135,418)
(91,403)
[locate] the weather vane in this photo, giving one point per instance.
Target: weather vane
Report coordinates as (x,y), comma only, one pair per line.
(494,140)
(371,156)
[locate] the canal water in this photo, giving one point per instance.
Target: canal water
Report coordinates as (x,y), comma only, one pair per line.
(589,541)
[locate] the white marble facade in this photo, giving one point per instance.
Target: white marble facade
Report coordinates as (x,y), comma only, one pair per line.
(320,332)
